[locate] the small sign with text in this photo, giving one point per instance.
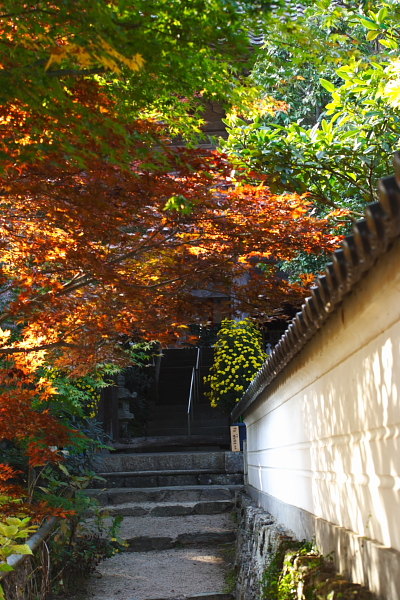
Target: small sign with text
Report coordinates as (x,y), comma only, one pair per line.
(235,438)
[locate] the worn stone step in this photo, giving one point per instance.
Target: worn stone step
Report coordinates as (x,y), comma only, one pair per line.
(202,428)
(172,444)
(179,396)
(178,359)
(165,494)
(180,420)
(176,375)
(174,397)
(170,509)
(195,430)
(198,539)
(165,478)
(209,596)
(202,410)
(176,365)
(231,462)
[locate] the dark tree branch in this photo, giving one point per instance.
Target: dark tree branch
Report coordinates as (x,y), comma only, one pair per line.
(37,348)
(28,12)
(76,72)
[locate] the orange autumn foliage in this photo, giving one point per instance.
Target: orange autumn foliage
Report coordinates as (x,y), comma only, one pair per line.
(89,255)
(92,248)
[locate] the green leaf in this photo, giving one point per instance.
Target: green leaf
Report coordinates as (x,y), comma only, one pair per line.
(389,44)
(64,469)
(21,549)
(13,521)
(382,14)
(180,204)
(8,530)
(327,127)
(328,85)
(369,24)
(6,568)
(343,74)
(371,35)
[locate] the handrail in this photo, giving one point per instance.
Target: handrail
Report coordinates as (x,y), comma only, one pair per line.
(198,359)
(194,390)
(190,403)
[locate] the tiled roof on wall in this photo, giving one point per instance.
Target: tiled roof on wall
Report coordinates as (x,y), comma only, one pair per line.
(371,238)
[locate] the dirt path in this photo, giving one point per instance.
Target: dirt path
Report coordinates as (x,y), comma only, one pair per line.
(175,573)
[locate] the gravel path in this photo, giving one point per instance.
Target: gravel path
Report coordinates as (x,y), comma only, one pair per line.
(166,574)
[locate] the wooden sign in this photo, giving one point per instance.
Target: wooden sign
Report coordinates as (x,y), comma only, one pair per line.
(235,438)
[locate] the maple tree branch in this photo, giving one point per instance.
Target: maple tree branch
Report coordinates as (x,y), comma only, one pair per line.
(59,344)
(127,25)
(86,279)
(76,72)
(28,12)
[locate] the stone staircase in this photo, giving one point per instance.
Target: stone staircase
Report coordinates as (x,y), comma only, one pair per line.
(153,477)
(176,500)
(176,509)
(169,484)
(169,411)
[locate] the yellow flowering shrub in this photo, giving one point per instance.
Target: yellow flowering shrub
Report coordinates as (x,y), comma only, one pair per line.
(238,356)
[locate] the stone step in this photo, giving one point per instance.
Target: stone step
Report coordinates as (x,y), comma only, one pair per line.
(176,375)
(176,363)
(166,398)
(173,444)
(209,596)
(230,462)
(170,509)
(174,526)
(203,409)
(170,494)
(194,430)
(181,421)
(203,415)
(198,539)
(167,479)
(169,388)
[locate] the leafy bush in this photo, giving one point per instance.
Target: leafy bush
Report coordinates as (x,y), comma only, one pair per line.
(77,397)
(12,529)
(85,536)
(79,546)
(238,357)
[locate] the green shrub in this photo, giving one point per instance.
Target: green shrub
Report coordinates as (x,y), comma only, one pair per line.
(12,529)
(79,545)
(238,357)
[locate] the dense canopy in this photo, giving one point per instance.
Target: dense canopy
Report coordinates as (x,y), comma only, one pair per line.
(111,217)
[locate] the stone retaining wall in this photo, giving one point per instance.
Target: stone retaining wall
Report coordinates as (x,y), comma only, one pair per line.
(260,538)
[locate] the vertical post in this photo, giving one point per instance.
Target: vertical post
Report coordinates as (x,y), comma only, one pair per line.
(157,375)
(109,410)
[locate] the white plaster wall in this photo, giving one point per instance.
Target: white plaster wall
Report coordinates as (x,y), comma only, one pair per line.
(325,435)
